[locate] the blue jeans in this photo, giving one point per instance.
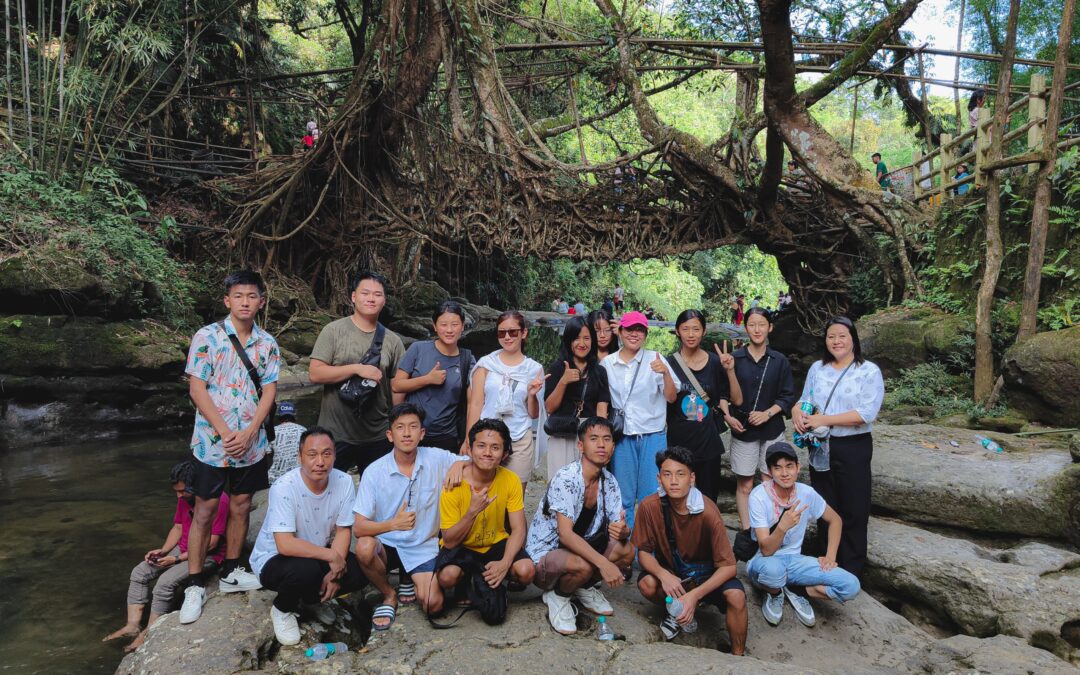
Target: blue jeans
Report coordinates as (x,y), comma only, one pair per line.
(635,469)
(777,571)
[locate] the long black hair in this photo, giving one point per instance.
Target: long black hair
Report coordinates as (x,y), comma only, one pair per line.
(595,317)
(976,97)
(758,310)
(856,346)
(570,333)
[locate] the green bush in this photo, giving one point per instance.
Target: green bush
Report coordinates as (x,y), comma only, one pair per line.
(929,385)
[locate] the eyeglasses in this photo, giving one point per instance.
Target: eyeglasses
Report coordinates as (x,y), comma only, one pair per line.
(604,331)
(509,332)
(635,329)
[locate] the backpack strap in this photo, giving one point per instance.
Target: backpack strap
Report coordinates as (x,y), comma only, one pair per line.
(669,528)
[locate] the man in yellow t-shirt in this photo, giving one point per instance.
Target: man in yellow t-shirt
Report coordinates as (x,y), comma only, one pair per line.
(474,514)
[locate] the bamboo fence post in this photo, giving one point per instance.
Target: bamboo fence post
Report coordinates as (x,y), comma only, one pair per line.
(1036,111)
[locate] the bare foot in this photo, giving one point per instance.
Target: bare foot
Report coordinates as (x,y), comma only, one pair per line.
(136,643)
(127,631)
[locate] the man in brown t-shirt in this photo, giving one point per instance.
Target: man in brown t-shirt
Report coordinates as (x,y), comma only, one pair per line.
(703,565)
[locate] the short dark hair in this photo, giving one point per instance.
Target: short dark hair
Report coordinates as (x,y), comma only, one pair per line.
(690,315)
(876,154)
(316,431)
(759,310)
(791,161)
(592,423)
(675,453)
(514,315)
(368,274)
(448,307)
(496,425)
(402,409)
(245,278)
(856,346)
(182,472)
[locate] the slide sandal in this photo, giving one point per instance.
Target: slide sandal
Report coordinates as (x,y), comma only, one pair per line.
(383,612)
(406,593)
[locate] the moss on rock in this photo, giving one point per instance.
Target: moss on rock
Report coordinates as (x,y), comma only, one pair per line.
(905,337)
(1042,377)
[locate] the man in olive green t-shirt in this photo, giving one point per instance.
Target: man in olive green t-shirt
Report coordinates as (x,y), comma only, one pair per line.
(339,349)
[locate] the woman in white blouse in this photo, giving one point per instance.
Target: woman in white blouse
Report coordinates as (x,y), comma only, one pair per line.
(846,391)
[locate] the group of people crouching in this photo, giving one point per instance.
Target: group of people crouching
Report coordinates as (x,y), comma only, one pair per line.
(445,508)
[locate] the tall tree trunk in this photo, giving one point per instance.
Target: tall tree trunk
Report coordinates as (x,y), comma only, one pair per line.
(7,69)
(984,351)
(1040,217)
(956,68)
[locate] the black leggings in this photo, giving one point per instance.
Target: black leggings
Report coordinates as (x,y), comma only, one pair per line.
(707,475)
(300,579)
(846,488)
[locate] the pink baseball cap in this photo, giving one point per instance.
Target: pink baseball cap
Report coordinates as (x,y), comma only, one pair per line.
(633,319)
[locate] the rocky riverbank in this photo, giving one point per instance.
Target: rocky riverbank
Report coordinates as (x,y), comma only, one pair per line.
(949,589)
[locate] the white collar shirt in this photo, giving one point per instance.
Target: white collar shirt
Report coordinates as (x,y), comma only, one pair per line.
(646,408)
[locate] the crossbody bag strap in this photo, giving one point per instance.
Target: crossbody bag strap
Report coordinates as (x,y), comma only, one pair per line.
(374,351)
(239,349)
(835,385)
(669,528)
(762,382)
(685,367)
(633,381)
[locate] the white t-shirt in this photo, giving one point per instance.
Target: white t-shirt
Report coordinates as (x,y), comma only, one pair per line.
(763,513)
(506,389)
(295,508)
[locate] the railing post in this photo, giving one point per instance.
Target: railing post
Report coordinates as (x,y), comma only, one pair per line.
(1036,111)
(947,158)
(982,142)
(916,161)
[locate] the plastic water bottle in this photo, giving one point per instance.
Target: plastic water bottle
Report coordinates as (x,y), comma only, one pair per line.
(675,608)
(989,444)
(325,649)
(603,630)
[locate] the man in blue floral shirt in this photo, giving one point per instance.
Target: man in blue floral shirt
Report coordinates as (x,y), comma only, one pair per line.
(229,441)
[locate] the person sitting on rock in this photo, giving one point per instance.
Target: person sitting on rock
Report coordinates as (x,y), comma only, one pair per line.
(302,550)
(168,564)
(684,552)
(286,444)
(579,535)
(397,513)
(474,516)
(779,512)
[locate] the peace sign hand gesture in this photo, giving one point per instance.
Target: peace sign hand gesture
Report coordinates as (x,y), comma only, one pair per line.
(726,359)
(792,516)
(538,383)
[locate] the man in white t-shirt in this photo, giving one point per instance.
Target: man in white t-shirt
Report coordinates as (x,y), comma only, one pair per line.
(397,515)
(302,550)
(779,512)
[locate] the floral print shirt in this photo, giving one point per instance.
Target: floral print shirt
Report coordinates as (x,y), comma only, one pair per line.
(213,360)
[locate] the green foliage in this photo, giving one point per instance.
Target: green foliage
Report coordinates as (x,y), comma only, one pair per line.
(53,223)
(928,385)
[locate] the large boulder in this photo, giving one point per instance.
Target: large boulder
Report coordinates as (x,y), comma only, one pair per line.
(298,332)
(1032,489)
(1042,377)
(901,338)
(417,298)
(1031,591)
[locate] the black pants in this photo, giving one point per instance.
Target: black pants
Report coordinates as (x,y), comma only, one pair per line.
(300,579)
(450,443)
(359,455)
(846,488)
(707,477)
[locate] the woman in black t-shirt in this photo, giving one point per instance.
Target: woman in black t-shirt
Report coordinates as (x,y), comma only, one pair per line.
(576,387)
(694,422)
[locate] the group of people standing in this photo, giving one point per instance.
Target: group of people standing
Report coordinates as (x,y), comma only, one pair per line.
(444,444)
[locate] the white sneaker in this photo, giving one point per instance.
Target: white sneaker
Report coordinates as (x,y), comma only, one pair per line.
(194,599)
(286,630)
(803,610)
(239,580)
(594,601)
(773,608)
(561,613)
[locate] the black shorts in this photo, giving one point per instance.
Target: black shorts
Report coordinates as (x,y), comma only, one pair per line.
(448,443)
(208,482)
(360,455)
(466,558)
(716,598)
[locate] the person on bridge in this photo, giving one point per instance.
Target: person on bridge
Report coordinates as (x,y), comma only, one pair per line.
(434,375)
(846,392)
(961,174)
(642,383)
(881,172)
(694,419)
(576,388)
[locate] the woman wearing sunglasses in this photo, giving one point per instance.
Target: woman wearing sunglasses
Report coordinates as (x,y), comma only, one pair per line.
(504,386)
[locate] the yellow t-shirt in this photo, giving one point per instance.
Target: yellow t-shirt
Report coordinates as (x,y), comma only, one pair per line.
(489,528)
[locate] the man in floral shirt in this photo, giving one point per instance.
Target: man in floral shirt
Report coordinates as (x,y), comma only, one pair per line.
(229,441)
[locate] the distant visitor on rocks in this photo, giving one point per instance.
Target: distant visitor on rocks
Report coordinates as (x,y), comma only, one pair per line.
(285,447)
(232,372)
(845,392)
(168,563)
(302,550)
(477,554)
(434,375)
(780,510)
(579,535)
(684,552)
(359,351)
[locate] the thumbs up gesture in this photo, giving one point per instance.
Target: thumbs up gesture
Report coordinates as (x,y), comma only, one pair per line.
(570,375)
(437,375)
(618,529)
(658,365)
(726,359)
(405,519)
(538,383)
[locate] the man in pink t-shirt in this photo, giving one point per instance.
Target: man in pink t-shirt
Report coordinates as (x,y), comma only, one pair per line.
(168,564)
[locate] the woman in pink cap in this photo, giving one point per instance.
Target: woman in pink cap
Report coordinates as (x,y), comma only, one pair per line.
(642,384)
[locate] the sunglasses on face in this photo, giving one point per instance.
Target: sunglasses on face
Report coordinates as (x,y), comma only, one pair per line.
(508,332)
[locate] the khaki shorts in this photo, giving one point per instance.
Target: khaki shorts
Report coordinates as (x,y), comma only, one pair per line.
(553,565)
(748,457)
(521,460)
(560,452)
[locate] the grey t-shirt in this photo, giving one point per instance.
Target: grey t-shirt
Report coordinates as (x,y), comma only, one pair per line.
(439,403)
(341,343)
